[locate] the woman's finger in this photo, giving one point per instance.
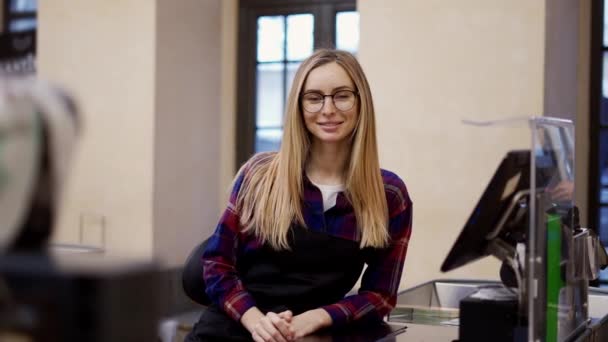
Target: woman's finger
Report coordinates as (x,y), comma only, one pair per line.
(281,324)
(271,330)
(261,331)
(286,315)
(256,337)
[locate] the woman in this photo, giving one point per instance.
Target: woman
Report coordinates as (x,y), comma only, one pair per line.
(302,222)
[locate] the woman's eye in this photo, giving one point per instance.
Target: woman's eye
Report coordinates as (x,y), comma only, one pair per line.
(313,98)
(342,96)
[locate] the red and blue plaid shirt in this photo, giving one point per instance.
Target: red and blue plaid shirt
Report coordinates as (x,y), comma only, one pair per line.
(379,285)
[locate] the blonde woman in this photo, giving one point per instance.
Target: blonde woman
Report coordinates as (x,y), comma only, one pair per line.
(302,222)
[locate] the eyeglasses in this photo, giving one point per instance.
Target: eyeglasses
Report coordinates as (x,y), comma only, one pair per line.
(343,100)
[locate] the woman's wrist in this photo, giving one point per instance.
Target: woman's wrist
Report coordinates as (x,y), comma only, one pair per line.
(323,317)
(251,317)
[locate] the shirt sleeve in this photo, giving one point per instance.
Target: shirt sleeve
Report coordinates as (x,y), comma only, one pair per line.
(224,287)
(380,283)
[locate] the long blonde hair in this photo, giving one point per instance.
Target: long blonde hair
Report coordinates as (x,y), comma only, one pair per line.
(271,194)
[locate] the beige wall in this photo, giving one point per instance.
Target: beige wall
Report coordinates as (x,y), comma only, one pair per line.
(228,98)
(582,109)
(430,65)
(104,52)
(187,139)
(148,76)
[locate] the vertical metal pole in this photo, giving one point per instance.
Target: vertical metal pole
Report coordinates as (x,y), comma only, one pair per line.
(532,280)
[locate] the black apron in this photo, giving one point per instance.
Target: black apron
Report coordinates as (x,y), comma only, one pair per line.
(318,270)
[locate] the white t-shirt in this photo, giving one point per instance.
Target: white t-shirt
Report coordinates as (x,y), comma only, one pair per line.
(329,193)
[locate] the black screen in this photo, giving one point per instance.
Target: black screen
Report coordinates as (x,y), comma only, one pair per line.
(512,176)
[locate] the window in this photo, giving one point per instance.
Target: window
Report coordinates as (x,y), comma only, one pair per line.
(598,123)
(274,37)
(20,15)
(18,43)
(283,41)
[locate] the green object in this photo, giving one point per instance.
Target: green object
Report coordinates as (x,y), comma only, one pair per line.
(554,278)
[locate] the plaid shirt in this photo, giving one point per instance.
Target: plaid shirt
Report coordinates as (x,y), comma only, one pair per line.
(378,292)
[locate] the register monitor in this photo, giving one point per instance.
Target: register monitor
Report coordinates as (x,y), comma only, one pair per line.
(507,189)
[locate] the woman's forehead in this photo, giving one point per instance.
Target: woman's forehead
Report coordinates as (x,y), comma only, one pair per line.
(327,77)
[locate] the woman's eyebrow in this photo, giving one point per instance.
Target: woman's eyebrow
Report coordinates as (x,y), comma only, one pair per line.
(342,88)
(333,90)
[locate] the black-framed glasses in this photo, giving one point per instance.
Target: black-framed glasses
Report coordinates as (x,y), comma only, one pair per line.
(343,100)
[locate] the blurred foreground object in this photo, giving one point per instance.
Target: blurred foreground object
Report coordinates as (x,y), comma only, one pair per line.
(66,297)
(38,128)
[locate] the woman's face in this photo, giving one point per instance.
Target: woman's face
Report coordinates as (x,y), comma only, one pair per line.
(329,121)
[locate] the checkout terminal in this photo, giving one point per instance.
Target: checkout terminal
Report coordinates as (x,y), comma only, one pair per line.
(547,258)
(498,225)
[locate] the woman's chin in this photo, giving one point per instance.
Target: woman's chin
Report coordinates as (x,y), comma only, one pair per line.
(330,138)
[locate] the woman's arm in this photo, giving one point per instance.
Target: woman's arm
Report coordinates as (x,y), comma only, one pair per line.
(224,286)
(380,283)
(310,321)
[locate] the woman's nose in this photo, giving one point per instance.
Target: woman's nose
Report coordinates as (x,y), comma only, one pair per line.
(328,105)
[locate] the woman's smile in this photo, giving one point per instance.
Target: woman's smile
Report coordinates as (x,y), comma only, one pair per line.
(330,127)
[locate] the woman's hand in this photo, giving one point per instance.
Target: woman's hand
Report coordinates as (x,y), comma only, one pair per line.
(310,321)
(270,327)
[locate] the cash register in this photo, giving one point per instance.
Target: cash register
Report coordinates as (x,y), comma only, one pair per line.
(497,226)
(545,270)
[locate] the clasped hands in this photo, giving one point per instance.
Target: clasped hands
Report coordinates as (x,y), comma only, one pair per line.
(283,326)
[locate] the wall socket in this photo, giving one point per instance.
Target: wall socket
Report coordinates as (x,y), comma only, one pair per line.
(92,230)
